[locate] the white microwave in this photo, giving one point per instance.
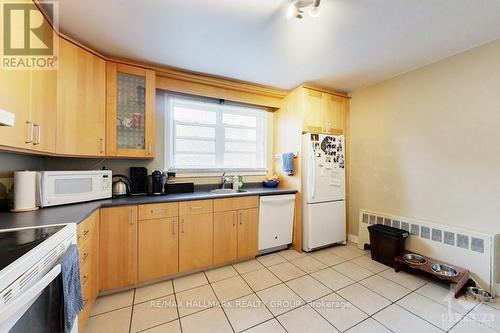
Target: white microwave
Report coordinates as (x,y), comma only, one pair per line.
(65,187)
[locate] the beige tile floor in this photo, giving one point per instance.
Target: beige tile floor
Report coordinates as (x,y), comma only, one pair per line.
(339,289)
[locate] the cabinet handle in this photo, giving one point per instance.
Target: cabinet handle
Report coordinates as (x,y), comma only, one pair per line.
(234,219)
(173,227)
(241,218)
(85,233)
(132,217)
(101,145)
(155,211)
(37,134)
(182,225)
(84,282)
(196,207)
(84,258)
(29,128)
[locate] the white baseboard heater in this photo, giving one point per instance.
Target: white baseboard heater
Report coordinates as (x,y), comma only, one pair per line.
(465,248)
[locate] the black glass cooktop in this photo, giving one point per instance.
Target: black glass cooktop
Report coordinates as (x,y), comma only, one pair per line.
(14,244)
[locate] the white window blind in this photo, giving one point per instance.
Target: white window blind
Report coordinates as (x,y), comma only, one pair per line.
(207,136)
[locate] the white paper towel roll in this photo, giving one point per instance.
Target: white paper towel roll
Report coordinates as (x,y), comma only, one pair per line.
(25,190)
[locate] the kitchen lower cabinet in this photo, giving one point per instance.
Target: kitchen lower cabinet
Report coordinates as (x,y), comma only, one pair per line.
(195,241)
(118,247)
(236,222)
(158,248)
(88,246)
(225,236)
(248,231)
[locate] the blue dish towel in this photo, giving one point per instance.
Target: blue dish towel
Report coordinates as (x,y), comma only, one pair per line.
(287,160)
(72,292)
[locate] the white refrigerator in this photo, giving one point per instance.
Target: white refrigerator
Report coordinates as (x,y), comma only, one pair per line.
(323,190)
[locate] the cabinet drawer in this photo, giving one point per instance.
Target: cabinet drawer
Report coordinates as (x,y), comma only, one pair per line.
(158,211)
(195,207)
(222,205)
(84,229)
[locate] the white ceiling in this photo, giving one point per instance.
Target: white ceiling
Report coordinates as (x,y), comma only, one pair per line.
(352,44)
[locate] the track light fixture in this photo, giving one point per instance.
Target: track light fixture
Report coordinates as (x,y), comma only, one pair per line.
(296,8)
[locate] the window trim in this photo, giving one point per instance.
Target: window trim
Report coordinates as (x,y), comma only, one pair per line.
(234,108)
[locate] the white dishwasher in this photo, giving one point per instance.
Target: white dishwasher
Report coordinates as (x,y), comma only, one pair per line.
(275,221)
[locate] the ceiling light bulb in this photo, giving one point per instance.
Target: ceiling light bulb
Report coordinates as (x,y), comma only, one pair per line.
(291,11)
(314,11)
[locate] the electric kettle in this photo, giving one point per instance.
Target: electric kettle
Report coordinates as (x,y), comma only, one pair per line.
(121,187)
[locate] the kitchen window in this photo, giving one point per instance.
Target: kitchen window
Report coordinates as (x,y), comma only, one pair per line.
(209,136)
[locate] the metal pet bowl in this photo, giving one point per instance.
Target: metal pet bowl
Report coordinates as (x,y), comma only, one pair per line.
(444,270)
(480,294)
(414,259)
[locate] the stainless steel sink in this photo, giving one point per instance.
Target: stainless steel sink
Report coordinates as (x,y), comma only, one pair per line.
(225,191)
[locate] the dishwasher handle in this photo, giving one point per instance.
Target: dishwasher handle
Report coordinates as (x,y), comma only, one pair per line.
(278,199)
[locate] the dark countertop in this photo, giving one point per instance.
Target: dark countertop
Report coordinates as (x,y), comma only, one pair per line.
(75,213)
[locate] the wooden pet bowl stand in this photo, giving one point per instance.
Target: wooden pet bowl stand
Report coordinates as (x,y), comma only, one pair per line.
(456,282)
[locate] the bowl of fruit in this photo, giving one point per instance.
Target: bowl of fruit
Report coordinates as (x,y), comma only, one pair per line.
(271,181)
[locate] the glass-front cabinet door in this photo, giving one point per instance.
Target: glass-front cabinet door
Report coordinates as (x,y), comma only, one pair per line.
(131,104)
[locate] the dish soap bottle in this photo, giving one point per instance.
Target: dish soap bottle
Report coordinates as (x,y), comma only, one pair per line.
(235,183)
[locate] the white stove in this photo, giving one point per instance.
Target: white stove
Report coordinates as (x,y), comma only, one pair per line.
(29,276)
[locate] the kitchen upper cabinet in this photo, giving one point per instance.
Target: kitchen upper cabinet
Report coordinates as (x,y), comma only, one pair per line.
(31,96)
(81,102)
(158,248)
(195,241)
(312,101)
(332,111)
(248,231)
(15,98)
(130,111)
(118,247)
(225,236)
(322,112)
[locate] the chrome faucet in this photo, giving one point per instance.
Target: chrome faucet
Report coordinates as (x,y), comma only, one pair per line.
(223,180)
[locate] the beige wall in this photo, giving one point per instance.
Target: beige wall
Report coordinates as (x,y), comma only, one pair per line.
(426,144)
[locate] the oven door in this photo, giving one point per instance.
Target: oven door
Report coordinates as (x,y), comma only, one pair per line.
(37,310)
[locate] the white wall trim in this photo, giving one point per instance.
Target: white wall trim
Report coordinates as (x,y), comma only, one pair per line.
(352,238)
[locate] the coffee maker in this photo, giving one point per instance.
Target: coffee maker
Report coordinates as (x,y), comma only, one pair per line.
(157,182)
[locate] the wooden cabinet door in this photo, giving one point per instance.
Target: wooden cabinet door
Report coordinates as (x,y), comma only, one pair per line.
(81,102)
(14,98)
(225,236)
(118,247)
(332,111)
(158,248)
(88,244)
(248,231)
(131,94)
(44,110)
(312,110)
(195,241)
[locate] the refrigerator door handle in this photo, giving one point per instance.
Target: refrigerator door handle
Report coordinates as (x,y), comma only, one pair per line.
(313,173)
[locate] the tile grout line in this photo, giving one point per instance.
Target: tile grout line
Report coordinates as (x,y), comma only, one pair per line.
(220,303)
(131,313)
(176,306)
(255,293)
